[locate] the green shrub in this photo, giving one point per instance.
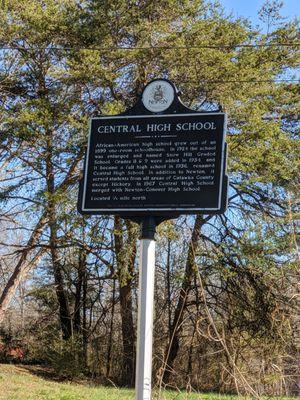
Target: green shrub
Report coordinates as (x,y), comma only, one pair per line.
(66,357)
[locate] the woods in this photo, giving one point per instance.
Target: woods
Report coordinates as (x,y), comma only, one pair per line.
(226,296)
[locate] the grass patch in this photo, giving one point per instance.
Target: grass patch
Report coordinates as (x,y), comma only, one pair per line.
(23,383)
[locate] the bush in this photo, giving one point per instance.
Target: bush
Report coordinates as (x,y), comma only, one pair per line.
(66,357)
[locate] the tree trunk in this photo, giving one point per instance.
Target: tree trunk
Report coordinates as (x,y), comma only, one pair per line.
(78,292)
(169,288)
(128,334)
(64,312)
(84,317)
(23,267)
(125,256)
(176,326)
(111,330)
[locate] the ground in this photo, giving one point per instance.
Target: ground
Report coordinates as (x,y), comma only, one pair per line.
(18,382)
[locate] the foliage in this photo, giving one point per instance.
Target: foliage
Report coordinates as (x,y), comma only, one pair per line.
(64,61)
(66,357)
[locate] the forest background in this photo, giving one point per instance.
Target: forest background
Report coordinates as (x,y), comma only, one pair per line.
(226,296)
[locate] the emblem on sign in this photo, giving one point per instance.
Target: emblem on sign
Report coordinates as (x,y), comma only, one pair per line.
(158,96)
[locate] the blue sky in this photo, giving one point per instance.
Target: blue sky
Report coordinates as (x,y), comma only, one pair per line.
(250,8)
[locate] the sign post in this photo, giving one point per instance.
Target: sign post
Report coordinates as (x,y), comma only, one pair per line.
(145,310)
(154,162)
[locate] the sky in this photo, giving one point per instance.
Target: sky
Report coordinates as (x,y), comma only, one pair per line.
(250,8)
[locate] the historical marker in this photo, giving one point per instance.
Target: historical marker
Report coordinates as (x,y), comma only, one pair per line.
(156,164)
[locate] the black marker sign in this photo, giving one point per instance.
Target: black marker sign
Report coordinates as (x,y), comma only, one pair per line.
(155,164)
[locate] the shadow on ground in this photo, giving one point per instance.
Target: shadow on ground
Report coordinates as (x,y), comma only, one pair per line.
(44,372)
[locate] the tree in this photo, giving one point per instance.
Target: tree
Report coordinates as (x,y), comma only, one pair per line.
(71,61)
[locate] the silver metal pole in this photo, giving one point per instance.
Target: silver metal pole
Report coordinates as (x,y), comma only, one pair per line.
(145,320)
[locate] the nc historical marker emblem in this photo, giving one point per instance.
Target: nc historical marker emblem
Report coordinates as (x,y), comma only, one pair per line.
(158,96)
